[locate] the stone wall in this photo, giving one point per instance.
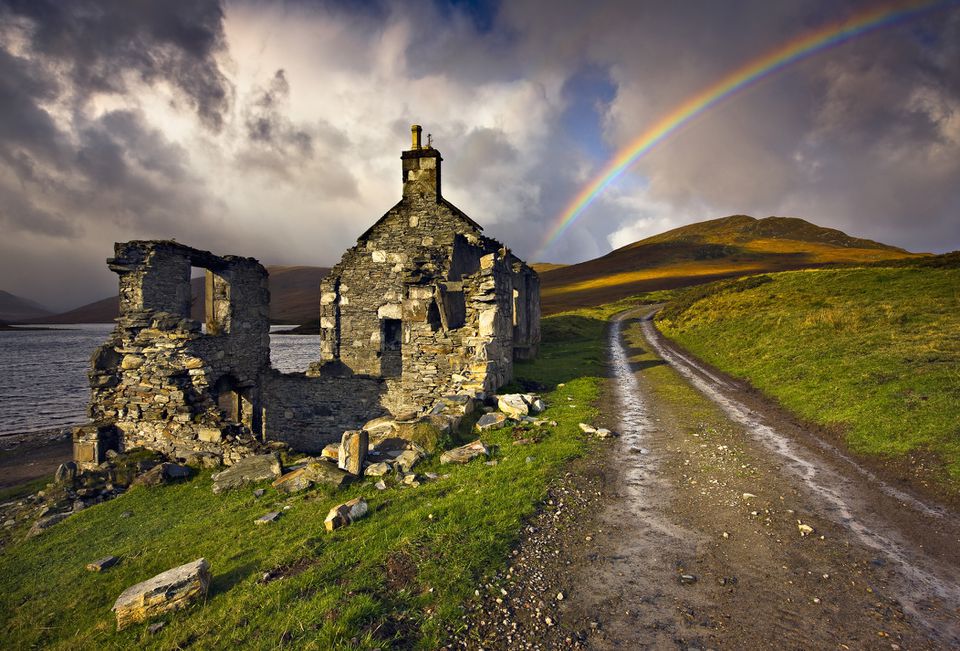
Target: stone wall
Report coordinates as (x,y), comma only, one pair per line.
(309,412)
(159,379)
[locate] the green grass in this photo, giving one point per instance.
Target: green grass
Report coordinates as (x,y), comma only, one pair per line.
(873,353)
(397,577)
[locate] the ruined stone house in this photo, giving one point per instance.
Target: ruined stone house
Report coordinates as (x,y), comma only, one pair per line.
(423,306)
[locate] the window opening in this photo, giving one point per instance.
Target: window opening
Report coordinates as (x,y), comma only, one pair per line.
(391,348)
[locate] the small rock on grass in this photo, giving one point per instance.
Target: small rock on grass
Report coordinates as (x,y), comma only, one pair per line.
(101,564)
(377,469)
(343,514)
(267,518)
(465,453)
(587,429)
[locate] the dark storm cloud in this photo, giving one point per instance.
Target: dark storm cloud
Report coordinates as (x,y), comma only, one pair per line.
(63,172)
(97,42)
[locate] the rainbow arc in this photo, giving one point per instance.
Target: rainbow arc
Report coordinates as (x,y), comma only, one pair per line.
(746,76)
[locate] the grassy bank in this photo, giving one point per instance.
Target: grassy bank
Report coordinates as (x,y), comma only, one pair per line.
(398,576)
(873,353)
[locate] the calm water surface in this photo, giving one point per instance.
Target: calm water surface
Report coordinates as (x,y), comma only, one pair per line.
(43,373)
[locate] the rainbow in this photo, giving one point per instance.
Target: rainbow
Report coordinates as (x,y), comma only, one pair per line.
(747,75)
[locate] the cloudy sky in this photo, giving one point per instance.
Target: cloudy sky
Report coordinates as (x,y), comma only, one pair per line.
(274,129)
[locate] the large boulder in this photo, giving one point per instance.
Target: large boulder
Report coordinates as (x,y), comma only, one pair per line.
(465,453)
(171,590)
(343,514)
(248,470)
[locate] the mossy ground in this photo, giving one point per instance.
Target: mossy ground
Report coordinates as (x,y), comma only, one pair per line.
(399,577)
(871,353)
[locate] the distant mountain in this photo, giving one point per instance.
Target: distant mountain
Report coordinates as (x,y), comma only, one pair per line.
(17,309)
(703,252)
(294,299)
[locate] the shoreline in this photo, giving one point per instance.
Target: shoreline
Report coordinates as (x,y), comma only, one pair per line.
(27,456)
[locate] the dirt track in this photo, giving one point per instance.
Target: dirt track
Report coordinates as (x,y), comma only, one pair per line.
(700,538)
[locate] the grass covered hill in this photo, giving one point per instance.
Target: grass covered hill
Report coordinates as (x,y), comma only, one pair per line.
(703,252)
(872,353)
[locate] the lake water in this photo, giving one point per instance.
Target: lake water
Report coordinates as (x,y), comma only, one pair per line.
(43,373)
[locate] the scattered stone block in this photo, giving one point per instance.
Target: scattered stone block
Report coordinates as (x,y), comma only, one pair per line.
(162,474)
(247,471)
(380,485)
(267,518)
(315,472)
(381,425)
(343,514)
(513,405)
(168,591)
(377,469)
(491,421)
(45,523)
(465,453)
(407,459)
(353,451)
(587,429)
(101,564)
(331,451)
(66,473)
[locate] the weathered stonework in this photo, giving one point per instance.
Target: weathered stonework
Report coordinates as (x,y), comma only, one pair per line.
(427,300)
(423,306)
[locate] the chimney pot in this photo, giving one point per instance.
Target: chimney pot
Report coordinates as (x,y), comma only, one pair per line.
(415,131)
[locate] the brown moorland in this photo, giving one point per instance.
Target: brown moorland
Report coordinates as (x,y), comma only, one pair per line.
(703,252)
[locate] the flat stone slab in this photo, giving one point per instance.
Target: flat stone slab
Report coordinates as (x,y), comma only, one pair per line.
(465,453)
(247,471)
(168,591)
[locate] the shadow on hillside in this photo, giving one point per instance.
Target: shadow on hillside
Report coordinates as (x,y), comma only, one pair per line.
(223,582)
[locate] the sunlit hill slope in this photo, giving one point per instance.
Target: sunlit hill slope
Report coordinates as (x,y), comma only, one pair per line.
(703,252)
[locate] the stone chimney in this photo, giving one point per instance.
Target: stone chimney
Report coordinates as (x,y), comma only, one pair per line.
(421,168)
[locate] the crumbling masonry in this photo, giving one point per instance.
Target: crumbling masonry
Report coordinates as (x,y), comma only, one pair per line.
(423,306)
